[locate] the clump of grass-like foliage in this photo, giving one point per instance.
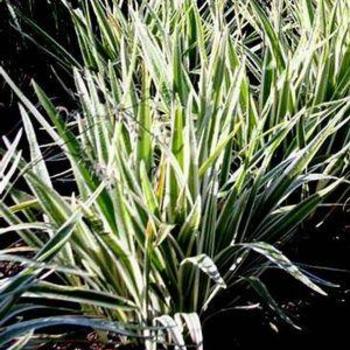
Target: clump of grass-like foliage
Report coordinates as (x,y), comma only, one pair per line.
(206,133)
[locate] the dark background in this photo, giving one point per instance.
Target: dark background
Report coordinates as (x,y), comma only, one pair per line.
(325,320)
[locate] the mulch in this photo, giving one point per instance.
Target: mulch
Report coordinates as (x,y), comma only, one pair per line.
(89,342)
(9,269)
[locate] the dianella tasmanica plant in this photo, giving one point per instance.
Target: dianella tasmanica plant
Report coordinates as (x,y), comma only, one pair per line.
(205,133)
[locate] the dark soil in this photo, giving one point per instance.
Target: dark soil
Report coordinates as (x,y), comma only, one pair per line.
(324,321)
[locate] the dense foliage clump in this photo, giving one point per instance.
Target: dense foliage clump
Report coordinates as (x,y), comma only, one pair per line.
(202,136)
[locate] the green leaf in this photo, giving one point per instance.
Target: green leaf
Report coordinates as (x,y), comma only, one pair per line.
(277,258)
(206,264)
(79,295)
(265,295)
